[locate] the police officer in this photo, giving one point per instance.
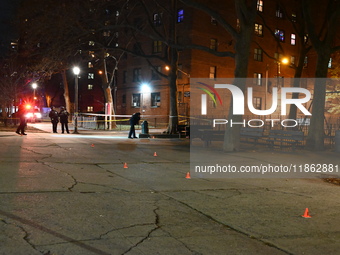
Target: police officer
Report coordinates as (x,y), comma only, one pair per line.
(63,115)
(23,121)
(134,120)
(54,119)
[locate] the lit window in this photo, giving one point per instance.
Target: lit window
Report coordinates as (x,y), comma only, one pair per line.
(180,15)
(238,26)
(106,33)
(258,29)
(137,74)
(280,34)
(305,38)
(330,63)
(294,17)
(157,19)
(90,76)
(89,86)
(260,5)
(157,46)
(91,43)
(91,53)
(213,44)
(305,62)
(258,54)
(257,79)
(257,102)
(292,60)
(293,39)
(90,108)
(212,72)
(156,99)
(278,56)
(136,100)
(90,65)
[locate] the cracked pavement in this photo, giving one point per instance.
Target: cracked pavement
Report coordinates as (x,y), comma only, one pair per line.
(69,194)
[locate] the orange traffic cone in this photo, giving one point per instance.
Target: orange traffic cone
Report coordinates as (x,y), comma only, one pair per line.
(155,154)
(306,214)
(188,175)
(125,165)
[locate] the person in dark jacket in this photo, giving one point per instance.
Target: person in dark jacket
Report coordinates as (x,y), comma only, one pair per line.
(63,116)
(134,120)
(21,114)
(54,119)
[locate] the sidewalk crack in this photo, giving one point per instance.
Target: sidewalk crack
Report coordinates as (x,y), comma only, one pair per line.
(157,226)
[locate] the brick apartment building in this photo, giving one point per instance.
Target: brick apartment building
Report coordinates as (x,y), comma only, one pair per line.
(139,88)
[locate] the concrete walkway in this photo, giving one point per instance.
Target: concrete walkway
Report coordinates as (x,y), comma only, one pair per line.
(70,194)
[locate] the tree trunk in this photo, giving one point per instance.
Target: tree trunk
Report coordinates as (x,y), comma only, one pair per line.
(173,110)
(66,92)
(242,50)
(109,100)
(315,138)
(173,59)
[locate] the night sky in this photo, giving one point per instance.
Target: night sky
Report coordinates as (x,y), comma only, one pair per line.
(7,15)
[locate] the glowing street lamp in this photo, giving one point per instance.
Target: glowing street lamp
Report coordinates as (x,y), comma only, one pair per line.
(76,72)
(34,87)
(145,88)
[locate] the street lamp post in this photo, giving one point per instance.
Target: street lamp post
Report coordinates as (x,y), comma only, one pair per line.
(34,86)
(284,61)
(76,72)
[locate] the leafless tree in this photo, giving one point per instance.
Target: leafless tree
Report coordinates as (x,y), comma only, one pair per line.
(322,35)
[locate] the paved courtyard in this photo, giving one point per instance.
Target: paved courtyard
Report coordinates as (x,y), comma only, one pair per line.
(70,194)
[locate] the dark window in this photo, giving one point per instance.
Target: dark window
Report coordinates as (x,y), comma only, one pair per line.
(279,12)
(258,54)
(213,44)
(137,74)
(124,100)
(257,102)
(157,19)
(124,76)
(157,46)
(154,74)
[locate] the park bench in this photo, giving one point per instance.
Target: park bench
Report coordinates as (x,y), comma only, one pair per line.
(209,135)
(183,130)
(285,138)
(253,134)
(195,131)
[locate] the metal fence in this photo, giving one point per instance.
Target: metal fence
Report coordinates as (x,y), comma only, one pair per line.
(118,122)
(331,125)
